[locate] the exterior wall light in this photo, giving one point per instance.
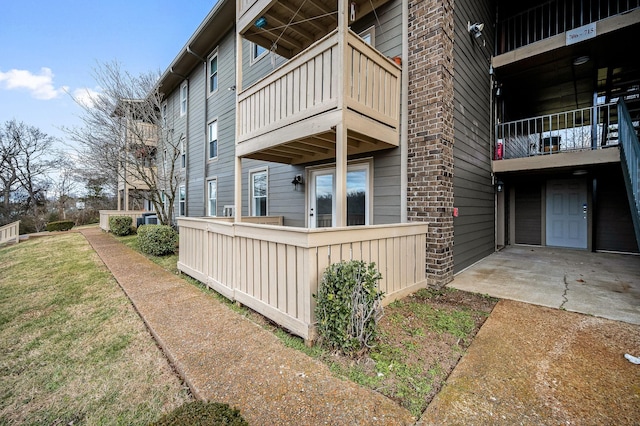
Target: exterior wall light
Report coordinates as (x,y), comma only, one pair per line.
(475,29)
(297,180)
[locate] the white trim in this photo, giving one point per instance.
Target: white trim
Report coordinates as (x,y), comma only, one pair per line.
(252,57)
(184,101)
(371,33)
(209,180)
(183,152)
(330,168)
(217,140)
(213,55)
(182,202)
(164,111)
(253,172)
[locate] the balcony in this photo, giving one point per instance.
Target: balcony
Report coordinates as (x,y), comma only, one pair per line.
(135,178)
(570,138)
(291,115)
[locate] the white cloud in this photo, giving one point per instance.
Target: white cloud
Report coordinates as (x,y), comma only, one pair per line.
(39,85)
(86,97)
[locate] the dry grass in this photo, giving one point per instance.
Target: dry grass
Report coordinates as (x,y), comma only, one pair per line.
(74,350)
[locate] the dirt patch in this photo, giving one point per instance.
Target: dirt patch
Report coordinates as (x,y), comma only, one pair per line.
(422,338)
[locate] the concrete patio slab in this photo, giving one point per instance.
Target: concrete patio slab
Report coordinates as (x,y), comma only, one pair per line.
(601,284)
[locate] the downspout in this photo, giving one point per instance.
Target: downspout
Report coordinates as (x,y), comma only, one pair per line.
(206,118)
(404,113)
(186,136)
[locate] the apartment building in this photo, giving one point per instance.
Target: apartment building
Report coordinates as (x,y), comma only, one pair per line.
(421,135)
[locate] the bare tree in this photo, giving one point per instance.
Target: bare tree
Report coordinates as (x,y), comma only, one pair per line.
(28,158)
(124,137)
(64,186)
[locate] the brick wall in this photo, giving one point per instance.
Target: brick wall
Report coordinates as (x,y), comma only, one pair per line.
(430,161)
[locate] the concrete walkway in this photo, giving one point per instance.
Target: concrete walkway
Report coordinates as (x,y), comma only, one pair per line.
(224,357)
(601,284)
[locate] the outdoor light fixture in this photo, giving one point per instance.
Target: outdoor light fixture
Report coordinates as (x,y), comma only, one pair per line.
(499,186)
(297,180)
(580,60)
(261,22)
(475,29)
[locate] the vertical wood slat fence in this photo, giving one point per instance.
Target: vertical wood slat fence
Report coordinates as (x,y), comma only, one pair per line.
(10,232)
(275,270)
(106,214)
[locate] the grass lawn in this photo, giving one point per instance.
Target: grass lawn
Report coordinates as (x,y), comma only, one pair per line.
(73,349)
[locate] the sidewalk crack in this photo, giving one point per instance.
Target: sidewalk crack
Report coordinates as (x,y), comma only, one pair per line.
(564,294)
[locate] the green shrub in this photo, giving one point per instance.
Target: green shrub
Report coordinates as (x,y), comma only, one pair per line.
(202,413)
(349,306)
(120,225)
(157,240)
(62,225)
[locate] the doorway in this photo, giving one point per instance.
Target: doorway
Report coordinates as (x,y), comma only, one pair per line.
(322,200)
(566,223)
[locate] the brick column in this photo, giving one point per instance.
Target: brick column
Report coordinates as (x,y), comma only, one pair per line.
(430,144)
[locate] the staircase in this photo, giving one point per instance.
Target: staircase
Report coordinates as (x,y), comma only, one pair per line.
(630,157)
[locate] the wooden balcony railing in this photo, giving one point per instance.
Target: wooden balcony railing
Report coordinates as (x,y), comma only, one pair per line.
(276,270)
(135,180)
(307,87)
(10,233)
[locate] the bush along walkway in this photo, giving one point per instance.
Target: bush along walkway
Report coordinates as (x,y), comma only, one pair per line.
(224,357)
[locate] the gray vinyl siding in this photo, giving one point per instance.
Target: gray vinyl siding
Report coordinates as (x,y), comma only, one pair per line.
(252,72)
(474,233)
(221,107)
(386,187)
(179,126)
(388,27)
(613,224)
(528,212)
(283,199)
(196,142)
(386,164)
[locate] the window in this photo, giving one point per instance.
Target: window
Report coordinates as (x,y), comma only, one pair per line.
(213,197)
(369,35)
(213,72)
(257,51)
(258,192)
(182,201)
(163,114)
(183,99)
(213,139)
(183,153)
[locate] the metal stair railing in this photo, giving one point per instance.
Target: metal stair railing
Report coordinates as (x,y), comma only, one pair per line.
(630,157)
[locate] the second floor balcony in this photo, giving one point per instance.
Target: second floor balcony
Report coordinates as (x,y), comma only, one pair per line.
(290,116)
(569,138)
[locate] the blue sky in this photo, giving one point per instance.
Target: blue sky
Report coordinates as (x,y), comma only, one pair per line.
(49,48)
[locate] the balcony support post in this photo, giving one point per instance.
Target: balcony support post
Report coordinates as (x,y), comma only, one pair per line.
(237,188)
(341,129)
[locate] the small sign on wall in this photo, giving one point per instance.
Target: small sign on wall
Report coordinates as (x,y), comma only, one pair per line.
(582,33)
